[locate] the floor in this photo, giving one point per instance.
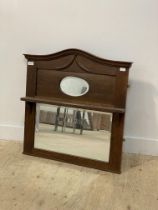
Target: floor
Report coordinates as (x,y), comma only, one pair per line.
(30,183)
(91,144)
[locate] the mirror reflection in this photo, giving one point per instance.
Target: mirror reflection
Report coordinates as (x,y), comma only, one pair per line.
(78,132)
(74,86)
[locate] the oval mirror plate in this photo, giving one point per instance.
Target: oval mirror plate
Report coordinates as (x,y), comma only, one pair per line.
(74,86)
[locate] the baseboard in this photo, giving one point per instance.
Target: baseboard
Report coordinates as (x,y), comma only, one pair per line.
(11,132)
(137,145)
(141,145)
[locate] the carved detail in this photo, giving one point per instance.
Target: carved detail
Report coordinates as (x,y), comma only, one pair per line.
(77,52)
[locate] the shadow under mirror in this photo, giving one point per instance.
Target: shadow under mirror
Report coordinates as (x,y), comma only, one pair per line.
(77,132)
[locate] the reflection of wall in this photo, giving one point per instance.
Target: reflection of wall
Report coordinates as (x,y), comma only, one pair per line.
(144,114)
(125,30)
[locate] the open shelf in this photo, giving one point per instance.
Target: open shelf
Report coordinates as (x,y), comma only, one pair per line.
(60,102)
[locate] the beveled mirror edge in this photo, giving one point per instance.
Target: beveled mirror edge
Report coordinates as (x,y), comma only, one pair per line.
(84,93)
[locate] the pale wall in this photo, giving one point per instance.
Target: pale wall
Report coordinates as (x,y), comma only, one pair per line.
(116,29)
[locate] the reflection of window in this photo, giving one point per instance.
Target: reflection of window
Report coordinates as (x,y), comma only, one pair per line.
(80,119)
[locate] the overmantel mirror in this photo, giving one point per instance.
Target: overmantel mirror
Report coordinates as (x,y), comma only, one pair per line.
(75,107)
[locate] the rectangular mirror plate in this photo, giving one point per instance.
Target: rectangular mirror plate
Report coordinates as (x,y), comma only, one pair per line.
(77,132)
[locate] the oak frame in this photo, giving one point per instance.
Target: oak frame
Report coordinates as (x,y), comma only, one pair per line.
(42,69)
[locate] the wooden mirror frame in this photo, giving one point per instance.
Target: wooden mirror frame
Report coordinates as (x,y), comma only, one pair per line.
(108,82)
